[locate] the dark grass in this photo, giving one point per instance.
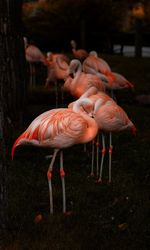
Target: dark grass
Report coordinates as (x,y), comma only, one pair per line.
(104,216)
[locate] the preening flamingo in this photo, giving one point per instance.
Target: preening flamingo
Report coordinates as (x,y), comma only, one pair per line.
(110,117)
(78,82)
(93,94)
(80,54)
(33,55)
(56,70)
(59,129)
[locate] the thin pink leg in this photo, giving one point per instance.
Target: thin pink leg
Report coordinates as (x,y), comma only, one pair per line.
(110,155)
(62,174)
(49,176)
(102,158)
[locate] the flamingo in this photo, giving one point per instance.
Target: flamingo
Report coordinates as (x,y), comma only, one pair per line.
(120,82)
(80,82)
(93,94)
(53,57)
(110,117)
(98,66)
(59,129)
(57,67)
(80,54)
(33,55)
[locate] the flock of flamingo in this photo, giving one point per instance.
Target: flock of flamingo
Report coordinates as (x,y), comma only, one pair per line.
(94,113)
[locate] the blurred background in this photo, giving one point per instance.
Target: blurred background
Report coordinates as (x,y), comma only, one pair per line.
(110,26)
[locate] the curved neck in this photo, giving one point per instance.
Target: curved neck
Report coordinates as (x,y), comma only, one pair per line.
(92,128)
(98,104)
(89,92)
(61,63)
(76,67)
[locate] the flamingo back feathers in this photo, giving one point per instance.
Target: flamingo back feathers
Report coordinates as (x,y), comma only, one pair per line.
(58,128)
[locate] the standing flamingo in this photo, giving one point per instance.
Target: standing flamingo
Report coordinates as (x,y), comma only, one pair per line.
(78,82)
(59,129)
(94,94)
(53,57)
(57,67)
(120,82)
(80,54)
(98,66)
(33,55)
(110,117)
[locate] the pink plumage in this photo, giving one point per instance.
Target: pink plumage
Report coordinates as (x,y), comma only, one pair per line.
(111,117)
(59,129)
(80,82)
(96,65)
(80,54)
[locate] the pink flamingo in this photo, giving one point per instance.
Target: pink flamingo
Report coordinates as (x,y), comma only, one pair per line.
(78,82)
(120,82)
(33,55)
(110,117)
(54,56)
(57,67)
(93,94)
(80,54)
(98,66)
(59,129)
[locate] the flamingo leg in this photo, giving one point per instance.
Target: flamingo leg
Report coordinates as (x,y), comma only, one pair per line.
(102,158)
(49,176)
(110,155)
(62,174)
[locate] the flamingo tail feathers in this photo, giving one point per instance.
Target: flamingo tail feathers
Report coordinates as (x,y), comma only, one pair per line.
(16,143)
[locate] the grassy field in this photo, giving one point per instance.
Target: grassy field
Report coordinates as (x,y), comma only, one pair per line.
(104,216)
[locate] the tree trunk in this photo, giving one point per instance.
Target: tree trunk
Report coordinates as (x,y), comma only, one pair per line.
(12,88)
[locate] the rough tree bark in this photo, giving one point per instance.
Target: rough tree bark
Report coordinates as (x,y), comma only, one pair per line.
(12,88)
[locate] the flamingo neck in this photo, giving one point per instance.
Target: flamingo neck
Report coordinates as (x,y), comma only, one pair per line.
(100,102)
(78,68)
(92,128)
(89,92)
